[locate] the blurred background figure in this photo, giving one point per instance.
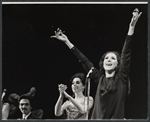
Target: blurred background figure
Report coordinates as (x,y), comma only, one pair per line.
(10,107)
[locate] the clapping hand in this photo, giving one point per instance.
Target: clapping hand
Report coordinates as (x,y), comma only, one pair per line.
(62,88)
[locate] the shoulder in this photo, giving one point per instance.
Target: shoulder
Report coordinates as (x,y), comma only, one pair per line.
(32,116)
(90,98)
(38,113)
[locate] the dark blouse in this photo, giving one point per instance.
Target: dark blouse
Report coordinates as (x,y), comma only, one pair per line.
(111,92)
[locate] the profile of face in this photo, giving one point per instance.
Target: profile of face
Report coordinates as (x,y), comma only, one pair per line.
(25,106)
(110,62)
(77,85)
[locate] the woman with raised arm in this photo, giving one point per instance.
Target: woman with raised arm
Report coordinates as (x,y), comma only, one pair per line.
(76,107)
(113,77)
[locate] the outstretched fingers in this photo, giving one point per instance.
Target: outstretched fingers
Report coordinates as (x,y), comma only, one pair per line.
(135,17)
(58,33)
(139,14)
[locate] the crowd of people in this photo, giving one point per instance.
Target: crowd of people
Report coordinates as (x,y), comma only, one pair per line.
(113,84)
(15,104)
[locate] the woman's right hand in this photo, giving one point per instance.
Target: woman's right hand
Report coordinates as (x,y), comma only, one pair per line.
(62,88)
(60,36)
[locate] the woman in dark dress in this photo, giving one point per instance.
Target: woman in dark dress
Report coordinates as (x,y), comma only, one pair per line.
(113,77)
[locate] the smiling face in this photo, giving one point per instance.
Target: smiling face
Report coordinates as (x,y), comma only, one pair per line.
(110,62)
(77,85)
(24,106)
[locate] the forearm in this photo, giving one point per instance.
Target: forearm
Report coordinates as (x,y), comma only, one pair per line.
(69,44)
(125,59)
(58,110)
(86,64)
(5,111)
(126,52)
(131,30)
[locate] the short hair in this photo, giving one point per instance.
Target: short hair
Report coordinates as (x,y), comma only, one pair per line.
(25,96)
(102,60)
(79,75)
(13,99)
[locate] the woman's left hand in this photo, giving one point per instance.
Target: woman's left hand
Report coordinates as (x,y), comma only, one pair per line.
(135,17)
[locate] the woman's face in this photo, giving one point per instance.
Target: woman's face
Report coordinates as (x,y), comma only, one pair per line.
(110,61)
(77,85)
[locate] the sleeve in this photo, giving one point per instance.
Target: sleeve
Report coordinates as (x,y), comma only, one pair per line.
(125,59)
(87,65)
(38,113)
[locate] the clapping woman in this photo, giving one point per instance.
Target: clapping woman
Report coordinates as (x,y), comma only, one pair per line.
(76,107)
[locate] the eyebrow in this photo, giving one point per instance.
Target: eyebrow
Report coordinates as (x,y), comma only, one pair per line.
(76,81)
(111,56)
(24,103)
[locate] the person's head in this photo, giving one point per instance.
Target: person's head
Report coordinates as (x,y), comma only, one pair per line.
(110,61)
(13,99)
(77,81)
(13,102)
(25,104)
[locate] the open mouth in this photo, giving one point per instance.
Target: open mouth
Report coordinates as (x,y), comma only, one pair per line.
(109,64)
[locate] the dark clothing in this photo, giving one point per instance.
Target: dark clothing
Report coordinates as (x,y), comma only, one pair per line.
(31,116)
(37,114)
(111,92)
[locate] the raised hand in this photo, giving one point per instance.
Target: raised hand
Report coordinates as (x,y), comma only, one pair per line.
(62,88)
(135,17)
(60,35)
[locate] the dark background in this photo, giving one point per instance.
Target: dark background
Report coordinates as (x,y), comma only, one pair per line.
(31,58)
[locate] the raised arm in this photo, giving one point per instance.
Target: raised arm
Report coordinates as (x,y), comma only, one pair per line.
(126,51)
(5,111)
(58,107)
(87,65)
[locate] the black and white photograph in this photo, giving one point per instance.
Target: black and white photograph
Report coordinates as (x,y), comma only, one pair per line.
(74,61)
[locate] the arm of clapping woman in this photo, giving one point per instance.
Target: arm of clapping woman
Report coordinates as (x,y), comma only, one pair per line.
(81,107)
